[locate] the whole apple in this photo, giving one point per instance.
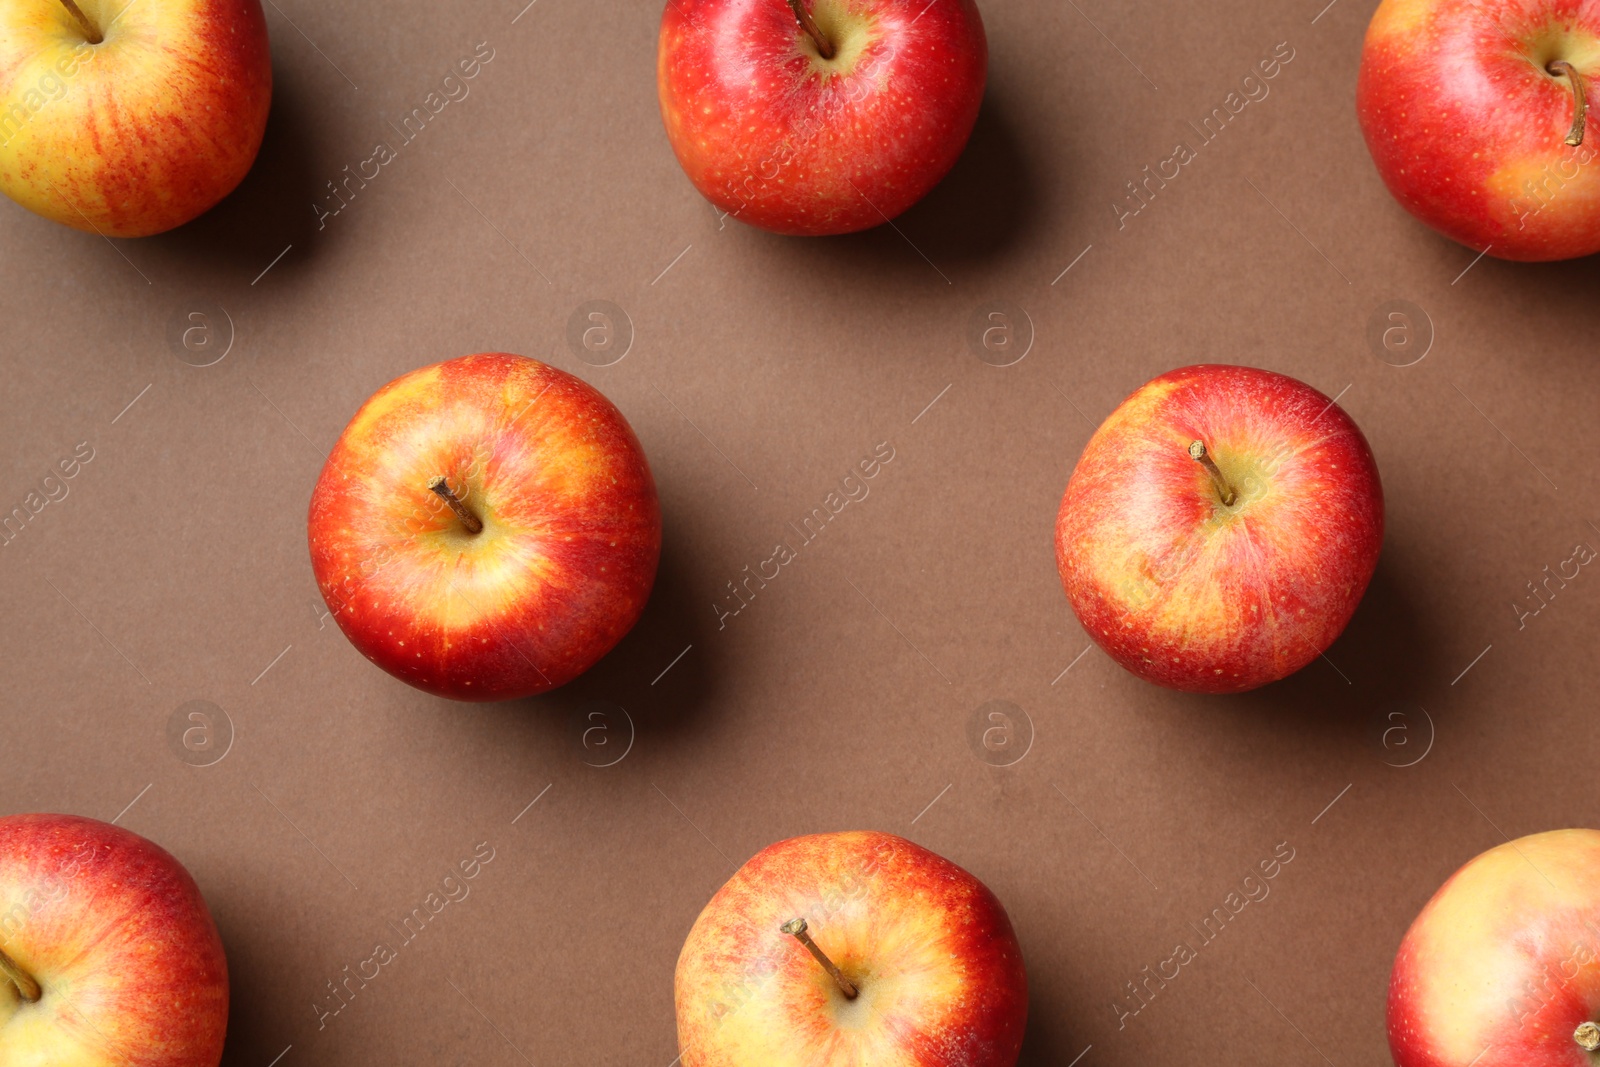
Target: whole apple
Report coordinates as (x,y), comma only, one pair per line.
(1220,528)
(1502,967)
(1475,113)
(128,119)
(841,949)
(819,116)
(108,955)
(486,528)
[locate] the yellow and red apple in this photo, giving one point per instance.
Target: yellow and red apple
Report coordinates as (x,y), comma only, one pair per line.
(486,528)
(128,119)
(1220,528)
(1475,113)
(842,949)
(1502,966)
(819,116)
(108,955)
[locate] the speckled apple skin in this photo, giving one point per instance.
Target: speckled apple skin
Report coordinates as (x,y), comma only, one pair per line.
(1192,595)
(1503,964)
(777,137)
(115,932)
(1461,117)
(940,972)
(568,552)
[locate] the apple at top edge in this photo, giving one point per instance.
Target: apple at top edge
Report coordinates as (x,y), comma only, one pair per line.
(1220,528)
(777,134)
(135,120)
(486,528)
(1471,110)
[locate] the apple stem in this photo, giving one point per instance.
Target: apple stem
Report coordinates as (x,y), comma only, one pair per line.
(1197,452)
(809,24)
(464,513)
(1580,99)
(25,984)
(1587,1035)
(797,927)
(94,35)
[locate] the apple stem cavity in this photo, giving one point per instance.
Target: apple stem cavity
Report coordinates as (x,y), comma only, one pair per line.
(1197,452)
(809,24)
(464,513)
(1580,97)
(1587,1035)
(93,35)
(797,927)
(25,984)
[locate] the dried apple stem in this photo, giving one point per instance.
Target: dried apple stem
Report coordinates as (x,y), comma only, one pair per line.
(94,35)
(1197,452)
(25,984)
(1587,1035)
(797,927)
(1580,97)
(813,31)
(464,513)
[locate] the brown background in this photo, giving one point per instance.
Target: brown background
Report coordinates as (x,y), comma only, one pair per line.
(761,370)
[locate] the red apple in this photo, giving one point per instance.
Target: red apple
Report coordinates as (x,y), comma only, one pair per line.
(129,118)
(1474,113)
(1220,528)
(1502,967)
(835,950)
(827,126)
(108,955)
(486,528)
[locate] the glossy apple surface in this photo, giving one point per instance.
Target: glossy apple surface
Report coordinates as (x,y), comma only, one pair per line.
(570,538)
(938,970)
(1189,592)
(1468,122)
(1502,967)
(776,135)
(141,132)
(118,939)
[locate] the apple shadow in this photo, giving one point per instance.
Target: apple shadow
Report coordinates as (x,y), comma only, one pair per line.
(1047,1041)
(248,1023)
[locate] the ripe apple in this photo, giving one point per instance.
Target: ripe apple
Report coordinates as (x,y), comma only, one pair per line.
(108,955)
(851,948)
(1502,967)
(486,528)
(1475,114)
(127,119)
(819,116)
(1220,528)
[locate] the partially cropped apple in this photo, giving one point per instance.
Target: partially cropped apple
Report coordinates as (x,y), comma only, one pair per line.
(842,949)
(1502,967)
(128,119)
(1476,115)
(486,528)
(108,955)
(1220,528)
(819,116)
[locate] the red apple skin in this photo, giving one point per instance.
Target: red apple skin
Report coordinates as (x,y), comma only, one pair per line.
(775,135)
(1468,129)
(1193,595)
(938,966)
(571,538)
(118,937)
(1503,964)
